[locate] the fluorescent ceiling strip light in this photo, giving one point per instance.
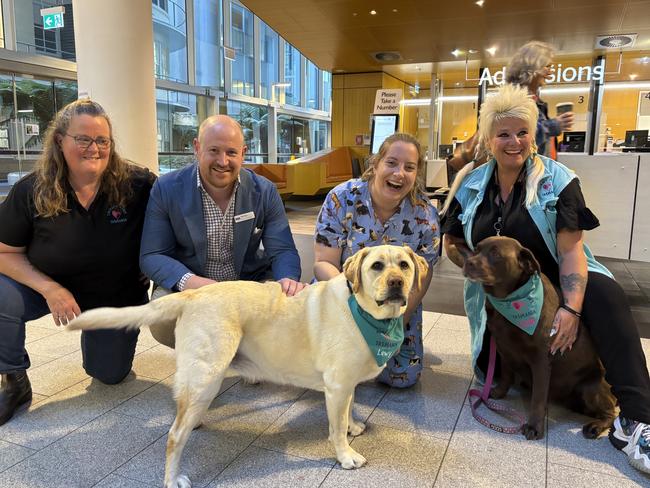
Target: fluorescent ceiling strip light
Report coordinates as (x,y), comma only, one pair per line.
(416,102)
(568,89)
(545,91)
(623,86)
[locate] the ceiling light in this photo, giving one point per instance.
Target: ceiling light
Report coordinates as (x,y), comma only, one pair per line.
(480,2)
(645,60)
(354,14)
(373,12)
(394,10)
(456,52)
(472,51)
(416,102)
(282,85)
(492,50)
(633,76)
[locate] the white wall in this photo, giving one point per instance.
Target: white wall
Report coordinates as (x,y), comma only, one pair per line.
(609,184)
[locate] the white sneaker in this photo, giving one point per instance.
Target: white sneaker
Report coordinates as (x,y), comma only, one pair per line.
(633,438)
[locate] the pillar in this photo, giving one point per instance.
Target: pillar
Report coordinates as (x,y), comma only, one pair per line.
(115,67)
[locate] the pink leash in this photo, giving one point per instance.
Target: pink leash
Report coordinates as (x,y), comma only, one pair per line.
(483,396)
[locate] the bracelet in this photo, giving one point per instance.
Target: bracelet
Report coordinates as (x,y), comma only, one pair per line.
(570,310)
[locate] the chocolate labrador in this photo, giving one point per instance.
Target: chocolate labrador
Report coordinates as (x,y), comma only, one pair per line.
(576,378)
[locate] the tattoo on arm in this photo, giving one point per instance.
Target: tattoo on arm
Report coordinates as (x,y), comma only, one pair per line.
(573,282)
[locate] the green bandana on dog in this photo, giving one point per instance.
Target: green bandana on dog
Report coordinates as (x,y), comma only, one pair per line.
(384,337)
(523,306)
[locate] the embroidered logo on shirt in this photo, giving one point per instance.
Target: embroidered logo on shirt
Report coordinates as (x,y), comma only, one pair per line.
(547,188)
(116,215)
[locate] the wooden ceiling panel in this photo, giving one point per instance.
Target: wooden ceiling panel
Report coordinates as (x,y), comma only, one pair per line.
(327,32)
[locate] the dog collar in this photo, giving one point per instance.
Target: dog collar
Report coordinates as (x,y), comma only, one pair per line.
(384,337)
(523,306)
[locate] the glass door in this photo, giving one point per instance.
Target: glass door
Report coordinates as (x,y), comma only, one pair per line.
(27,105)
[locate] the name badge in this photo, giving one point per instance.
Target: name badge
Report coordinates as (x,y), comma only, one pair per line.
(244,217)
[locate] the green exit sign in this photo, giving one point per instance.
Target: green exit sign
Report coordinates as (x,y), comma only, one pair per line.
(52,17)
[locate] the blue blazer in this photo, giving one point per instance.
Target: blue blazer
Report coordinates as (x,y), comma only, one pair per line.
(174,238)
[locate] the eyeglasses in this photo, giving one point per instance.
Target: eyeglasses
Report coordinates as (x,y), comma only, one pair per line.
(84,142)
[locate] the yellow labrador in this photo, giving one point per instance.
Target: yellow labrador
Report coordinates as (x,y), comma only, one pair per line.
(309,340)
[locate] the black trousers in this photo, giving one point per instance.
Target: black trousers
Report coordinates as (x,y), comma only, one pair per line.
(606,314)
(107,354)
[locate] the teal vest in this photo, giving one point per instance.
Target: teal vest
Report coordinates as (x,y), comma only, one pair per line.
(470,195)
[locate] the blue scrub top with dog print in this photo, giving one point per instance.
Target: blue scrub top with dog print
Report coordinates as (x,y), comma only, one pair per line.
(347,221)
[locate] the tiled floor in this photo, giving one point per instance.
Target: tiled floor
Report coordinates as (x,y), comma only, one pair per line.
(80,433)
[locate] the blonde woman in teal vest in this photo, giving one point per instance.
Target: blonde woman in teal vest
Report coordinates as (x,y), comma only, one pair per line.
(538,201)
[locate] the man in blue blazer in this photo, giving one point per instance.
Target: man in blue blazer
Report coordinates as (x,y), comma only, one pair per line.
(216,221)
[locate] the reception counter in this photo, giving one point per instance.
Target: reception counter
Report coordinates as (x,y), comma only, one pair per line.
(617,189)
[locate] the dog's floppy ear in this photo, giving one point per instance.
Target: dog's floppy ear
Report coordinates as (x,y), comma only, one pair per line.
(352,268)
(528,261)
(420,264)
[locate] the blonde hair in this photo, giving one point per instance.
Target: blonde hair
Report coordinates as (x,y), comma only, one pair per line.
(51,171)
(527,61)
(419,186)
(509,101)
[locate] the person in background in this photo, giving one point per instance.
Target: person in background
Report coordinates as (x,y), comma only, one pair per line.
(521,194)
(530,67)
(216,221)
(69,242)
(387,205)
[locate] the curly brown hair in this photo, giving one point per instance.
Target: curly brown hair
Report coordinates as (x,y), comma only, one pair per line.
(419,186)
(50,195)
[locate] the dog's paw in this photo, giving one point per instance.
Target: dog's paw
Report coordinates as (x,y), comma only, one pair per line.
(593,429)
(181,481)
(356,428)
(533,432)
(351,459)
(498,392)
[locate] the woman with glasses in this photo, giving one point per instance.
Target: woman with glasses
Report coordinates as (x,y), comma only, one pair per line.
(69,241)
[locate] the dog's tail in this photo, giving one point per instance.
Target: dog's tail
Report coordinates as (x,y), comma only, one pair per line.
(162,311)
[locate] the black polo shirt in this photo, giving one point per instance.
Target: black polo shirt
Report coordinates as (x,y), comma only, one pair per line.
(93,253)
(516,222)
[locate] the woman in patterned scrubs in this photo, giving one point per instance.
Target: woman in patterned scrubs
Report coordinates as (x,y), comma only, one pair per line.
(387,205)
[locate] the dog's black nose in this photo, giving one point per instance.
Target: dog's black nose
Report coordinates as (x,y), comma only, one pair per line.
(395,282)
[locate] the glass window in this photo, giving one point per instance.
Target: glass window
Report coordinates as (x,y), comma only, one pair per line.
(458,121)
(243,74)
(178,117)
(65,92)
(269,47)
(24,122)
(327,90)
(319,135)
(312,85)
(254,121)
(626,103)
(32,37)
(2,31)
(207,37)
(170,39)
(292,74)
(298,136)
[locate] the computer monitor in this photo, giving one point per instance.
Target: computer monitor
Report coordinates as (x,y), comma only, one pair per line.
(573,141)
(636,138)
(382,127)
(445,150)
